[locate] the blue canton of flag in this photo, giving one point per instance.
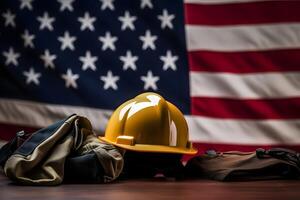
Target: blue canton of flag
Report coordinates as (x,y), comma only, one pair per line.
(92,53)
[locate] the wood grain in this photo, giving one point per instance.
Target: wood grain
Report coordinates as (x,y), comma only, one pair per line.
(156,189)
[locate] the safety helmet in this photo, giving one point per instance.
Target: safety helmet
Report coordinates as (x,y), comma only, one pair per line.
(149,123)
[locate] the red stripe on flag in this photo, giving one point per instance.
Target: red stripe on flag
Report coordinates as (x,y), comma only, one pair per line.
(8,131)
(245,62)
(287,108)
(243,13)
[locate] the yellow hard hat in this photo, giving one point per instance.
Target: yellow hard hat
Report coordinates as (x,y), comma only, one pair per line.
(149,123)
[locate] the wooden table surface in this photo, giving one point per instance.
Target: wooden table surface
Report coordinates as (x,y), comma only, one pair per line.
(156,189)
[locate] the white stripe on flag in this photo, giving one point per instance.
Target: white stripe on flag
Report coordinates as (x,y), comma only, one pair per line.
(220,1)
(249,86)
(250,132)
(35,114)
(243,37)
(202,129)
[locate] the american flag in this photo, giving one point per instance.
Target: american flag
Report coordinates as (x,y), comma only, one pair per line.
(231,66)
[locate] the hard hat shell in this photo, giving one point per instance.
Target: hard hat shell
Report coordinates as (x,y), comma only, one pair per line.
(149,123)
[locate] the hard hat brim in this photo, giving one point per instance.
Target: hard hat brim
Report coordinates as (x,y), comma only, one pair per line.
(152,148)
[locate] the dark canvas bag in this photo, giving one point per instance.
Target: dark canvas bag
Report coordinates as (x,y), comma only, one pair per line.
(262,164)
(67,149)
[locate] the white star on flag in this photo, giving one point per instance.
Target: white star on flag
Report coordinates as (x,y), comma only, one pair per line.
(26,4)
(127,21)
(146,3)
(70,78)
(148,40)
(166,19)
(88,61)
(67,41)
(66,4)
(31,76)
(48,59)
(110,81)
(11,57)
(87,22)
(150,81)
(169,61)
(129,61)
(28,39)
(108,41)
(9,18)
(107,4)
(46,21)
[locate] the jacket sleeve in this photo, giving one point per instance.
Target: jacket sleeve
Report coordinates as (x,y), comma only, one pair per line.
(95,161)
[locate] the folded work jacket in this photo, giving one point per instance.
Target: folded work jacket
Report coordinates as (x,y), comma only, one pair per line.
(274,163)
(66,150)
